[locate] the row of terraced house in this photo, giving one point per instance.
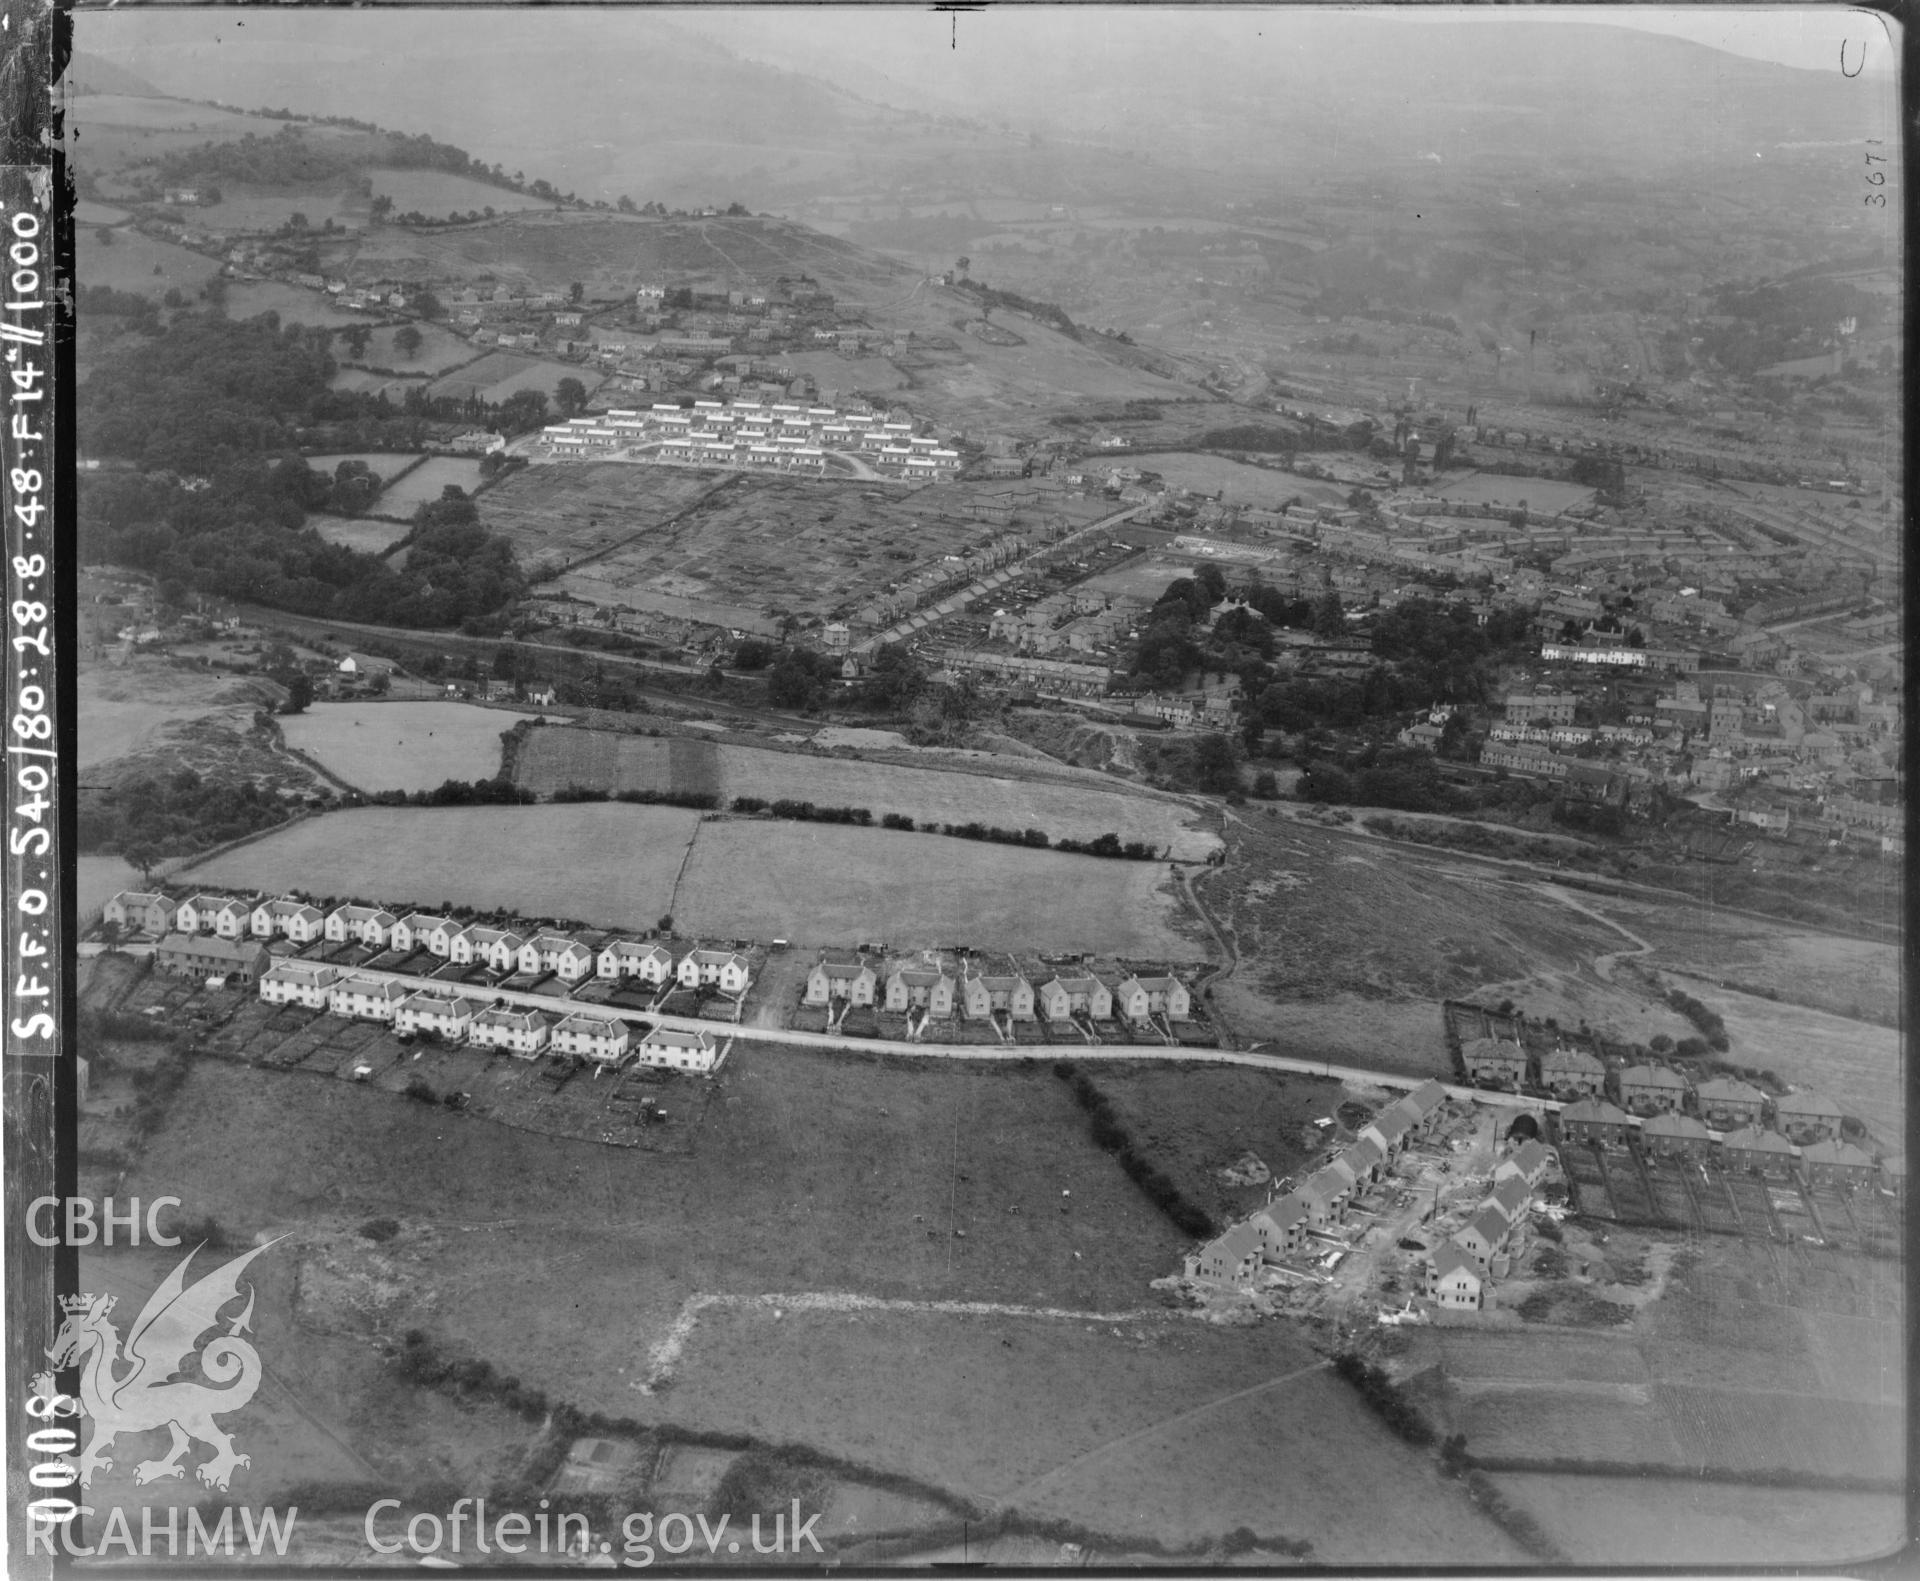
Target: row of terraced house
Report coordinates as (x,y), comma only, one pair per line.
(421,1007)
(1280,1231)
(979,996)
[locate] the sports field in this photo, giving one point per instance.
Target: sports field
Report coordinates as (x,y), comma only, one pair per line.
(558,757)
(607,865)
(401,746)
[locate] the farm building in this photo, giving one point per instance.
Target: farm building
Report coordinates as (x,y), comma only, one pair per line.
(677,1050)
(651,963)
(1455,1280)
(521,1032)
(1835,1164)
(1282,1227)
(1807,1117)
(1137,998)
(1004,994)
(289,919)
(221,915)
(298,983)
(1064,997)
(1594,1120)
(367,925)
(926,988)
(1495,1062)
(442,1016)
(852,981)
(134,911)
(363,999)
(1572,1073)
(1676,1136)
(420,931)
(1764,1152)
(1230,1259)
(1726,1102)
(602,1039)
(1527,1162)
(1652,1089)
(188,955)
(722,969)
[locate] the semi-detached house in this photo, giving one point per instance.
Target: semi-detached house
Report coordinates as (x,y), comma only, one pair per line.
(135,910)
(722,969)
(289,919)
(298,983)
(622,958)
(519,1032)
(363,999)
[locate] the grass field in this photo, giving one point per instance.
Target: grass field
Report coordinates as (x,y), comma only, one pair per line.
(558,757)
(402,746)
(830,884)
(1544,496)
(269,209)
(382,464)
(426,482)
(499,374)
(435,193)
(129,264)
(97,880)
(1857,1065)
(1616,1522)
(87,212)
(370,537)
(607,865)
(295,304)
(440,351)
(1239,482)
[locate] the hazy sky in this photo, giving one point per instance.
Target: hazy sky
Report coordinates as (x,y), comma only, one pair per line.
(1806,36)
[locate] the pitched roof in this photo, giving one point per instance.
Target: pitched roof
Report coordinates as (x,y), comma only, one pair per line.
(1243,1240)
(136,897)
(1674,1125)
(1808,1103)
(1842,1153)
(1492,1048)
(598,1026)
(1447,1259)
(1532,1155)
(673,1037)
(369,988)
(1566,1059)
(1652,1076)
(523,1020)
(1284,1212)
(1751,1139)
(1593,1110)
(1491,1223)
(219,949)
(1724,1089)
(1427,1097)
(1511,1196)
(1364,1154)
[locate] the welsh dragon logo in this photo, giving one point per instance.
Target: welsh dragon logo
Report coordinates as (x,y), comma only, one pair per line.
(150,1395)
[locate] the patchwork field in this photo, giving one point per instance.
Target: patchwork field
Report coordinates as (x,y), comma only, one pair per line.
(295,304)
(401,746)
(603,864)
(556,757)
(820,884)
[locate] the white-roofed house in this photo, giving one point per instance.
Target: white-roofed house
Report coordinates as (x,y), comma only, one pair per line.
(672,1049)
(602,1039)
(137,911)
(364,999)
(519,1032)
(199,913)
(722,969)
(298,983)
(446,1016)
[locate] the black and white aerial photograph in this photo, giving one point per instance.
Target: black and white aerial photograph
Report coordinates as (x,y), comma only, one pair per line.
(1105,787)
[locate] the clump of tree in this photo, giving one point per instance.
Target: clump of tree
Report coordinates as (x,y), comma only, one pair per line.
(1711,1026)
(150,817)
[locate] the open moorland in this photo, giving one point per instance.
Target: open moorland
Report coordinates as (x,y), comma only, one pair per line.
(614,865)
(838,1209)
(401,746)
(727,548)
(556,757)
